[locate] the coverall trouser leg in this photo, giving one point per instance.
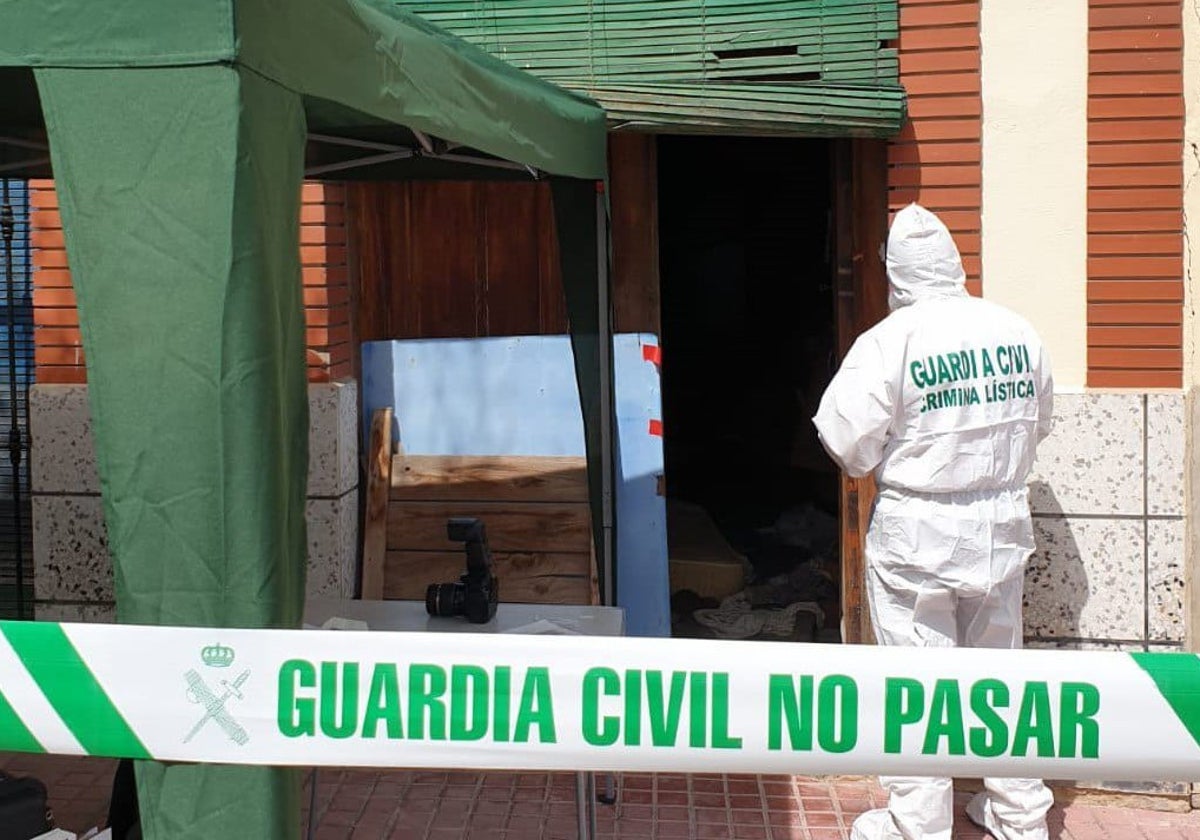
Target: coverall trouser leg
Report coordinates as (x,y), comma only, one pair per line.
(921,808)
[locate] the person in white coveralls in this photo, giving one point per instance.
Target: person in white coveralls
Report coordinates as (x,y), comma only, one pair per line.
(945,400)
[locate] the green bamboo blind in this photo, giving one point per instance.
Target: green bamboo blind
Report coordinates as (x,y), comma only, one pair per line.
(800,67)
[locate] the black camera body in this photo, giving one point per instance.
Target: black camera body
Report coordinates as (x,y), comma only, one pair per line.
(477,592)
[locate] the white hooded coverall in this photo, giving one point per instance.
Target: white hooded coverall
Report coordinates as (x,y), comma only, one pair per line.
(945,400)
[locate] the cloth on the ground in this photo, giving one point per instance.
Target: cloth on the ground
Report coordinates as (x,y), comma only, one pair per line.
(736,618)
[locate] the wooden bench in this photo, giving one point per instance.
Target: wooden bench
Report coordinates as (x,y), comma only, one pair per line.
(535,510)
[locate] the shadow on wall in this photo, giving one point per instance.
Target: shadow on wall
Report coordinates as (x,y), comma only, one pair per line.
(904,165)
(1056,581)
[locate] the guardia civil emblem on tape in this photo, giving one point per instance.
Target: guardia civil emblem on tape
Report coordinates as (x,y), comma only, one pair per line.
(214,705)
(580,703)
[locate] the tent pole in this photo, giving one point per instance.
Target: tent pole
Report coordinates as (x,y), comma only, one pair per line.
(604,321)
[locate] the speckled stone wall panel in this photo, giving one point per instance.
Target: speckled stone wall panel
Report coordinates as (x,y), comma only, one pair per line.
(1092,463)
(332,438)
(332,544)
(1191,545)
(81,613)
(1165,579)
(71,561)
(70,550)
(72,564)
(1086,579)
(1165,445)
(62,457)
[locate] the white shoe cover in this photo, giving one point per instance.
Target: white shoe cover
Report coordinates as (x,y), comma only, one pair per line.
(980,812)
(875,825)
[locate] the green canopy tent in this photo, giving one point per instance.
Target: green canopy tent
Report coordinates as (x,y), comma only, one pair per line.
(179,133)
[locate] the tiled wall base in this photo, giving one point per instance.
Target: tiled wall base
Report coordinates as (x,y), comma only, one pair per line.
(72,568)
(1108,503)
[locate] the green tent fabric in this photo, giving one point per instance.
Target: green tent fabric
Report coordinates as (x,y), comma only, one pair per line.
(177,134)
(366,55)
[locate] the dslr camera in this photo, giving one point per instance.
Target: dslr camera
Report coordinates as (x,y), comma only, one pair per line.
(477,592)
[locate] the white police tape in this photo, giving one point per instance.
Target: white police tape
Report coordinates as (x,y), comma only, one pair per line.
(590,703)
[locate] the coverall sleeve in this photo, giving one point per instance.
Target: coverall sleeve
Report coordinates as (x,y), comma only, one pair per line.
(1045,397)
(857,408)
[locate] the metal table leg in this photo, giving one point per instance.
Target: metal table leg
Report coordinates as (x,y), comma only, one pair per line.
(585,805)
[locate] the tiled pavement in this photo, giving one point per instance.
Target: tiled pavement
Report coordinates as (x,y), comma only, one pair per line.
(424,805)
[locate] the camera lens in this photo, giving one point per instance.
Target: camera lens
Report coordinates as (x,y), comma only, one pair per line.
(444,600)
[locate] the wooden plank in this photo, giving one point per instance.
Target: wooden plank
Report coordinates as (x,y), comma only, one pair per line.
(1156,198)
(552,299)
(431,478)
(1115,40)
(963,131)
(509,253)
(1137,175)
(942,83)
(1135,243)
(1139,290)
(1123,358)
(633,184)
(403,288)
(525,578)
(926,107)
(1141,15)
(368,248)
(928,175)
(379,466)
(511,526)
(1104,378)
(1134,129)
(1129,154)
(860,195)
(1135,221)
(1134,267)
(955,198)
(446,257)
(1135,61)
(1135,314)
(1136,84)
(1133,107)
(1099,336)
(936,153)
(939,61)
(961,36)
(940,15)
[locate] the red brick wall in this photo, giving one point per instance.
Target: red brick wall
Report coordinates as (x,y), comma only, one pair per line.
(326,282)
(936,160)
(1135,193)
(58,349)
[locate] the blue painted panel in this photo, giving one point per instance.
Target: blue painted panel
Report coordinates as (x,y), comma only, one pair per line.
(517,396)
(480,396)
(643,585)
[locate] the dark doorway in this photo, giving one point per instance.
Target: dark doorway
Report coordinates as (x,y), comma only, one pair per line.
(749,343)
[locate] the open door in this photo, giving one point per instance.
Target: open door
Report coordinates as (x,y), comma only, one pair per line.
(860,221)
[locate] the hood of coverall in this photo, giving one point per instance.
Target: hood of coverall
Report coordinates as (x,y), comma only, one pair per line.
(922,259)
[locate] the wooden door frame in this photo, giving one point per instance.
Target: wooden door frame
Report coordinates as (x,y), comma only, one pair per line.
(860,217)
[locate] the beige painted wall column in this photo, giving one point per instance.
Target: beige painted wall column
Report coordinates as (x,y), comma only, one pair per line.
(1191,328)
(1034,241)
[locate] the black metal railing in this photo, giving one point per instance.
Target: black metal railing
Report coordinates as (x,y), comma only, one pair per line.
(16,375)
